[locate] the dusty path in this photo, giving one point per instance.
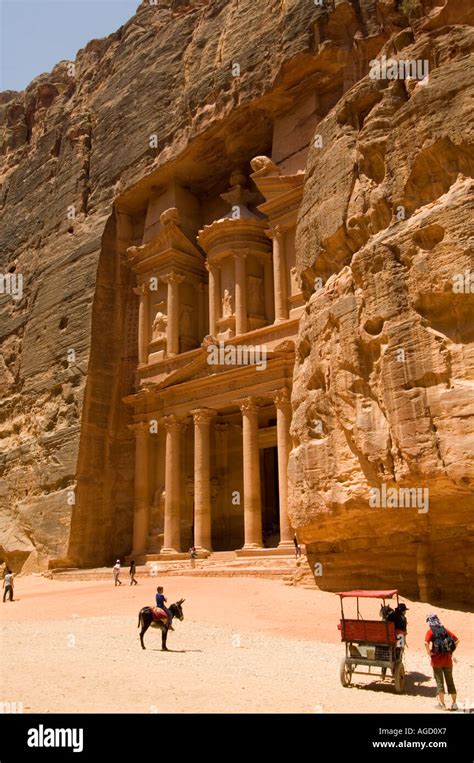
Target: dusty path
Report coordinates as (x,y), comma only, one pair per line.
(246,645)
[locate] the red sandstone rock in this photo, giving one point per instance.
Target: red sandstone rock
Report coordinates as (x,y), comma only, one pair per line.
(77,173)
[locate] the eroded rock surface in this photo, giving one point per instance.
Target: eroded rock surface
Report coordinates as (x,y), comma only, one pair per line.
(76,157)
(384,380)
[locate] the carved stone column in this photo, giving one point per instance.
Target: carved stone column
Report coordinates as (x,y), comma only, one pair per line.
(241,321)
(269,292)
(222,462)
(172,541)
(283,408)
(172,329)
(202,328)
(251,455)
(143,330)
(202,478)
(214,297)
(279,274)
(141,502)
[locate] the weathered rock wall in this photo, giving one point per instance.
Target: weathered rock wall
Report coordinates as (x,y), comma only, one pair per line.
(384,381)
(76,169)
(72,144)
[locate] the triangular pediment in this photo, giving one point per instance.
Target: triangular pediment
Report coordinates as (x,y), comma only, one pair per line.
(170,239)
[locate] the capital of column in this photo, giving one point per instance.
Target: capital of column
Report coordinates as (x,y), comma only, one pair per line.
(239,255)
(203,415)
(276,232)
(222,427)
(211,267)
(173,278)
(140,429)
(281,398)
(174,423)
(139,290)
(249,406)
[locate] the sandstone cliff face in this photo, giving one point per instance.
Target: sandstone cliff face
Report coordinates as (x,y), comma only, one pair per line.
(384,381)
(72,144)
(75,157)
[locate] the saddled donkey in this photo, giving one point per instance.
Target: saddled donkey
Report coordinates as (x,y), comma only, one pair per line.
(145,619)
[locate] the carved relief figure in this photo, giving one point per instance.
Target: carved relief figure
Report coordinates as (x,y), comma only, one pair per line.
(186,321)
(255,295)
(227,309)
(157,511)
(295,281)
(159,326)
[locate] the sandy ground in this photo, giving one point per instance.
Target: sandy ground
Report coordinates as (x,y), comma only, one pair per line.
(245,645)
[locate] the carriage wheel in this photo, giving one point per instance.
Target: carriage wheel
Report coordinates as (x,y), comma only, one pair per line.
(345,673)
(399,677)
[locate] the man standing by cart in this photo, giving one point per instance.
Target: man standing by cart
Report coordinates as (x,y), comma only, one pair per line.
(398,618)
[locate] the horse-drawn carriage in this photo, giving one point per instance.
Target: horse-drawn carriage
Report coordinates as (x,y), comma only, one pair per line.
(371,643)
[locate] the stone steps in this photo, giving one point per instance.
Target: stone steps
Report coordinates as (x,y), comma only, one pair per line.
(268,573)
(219,564)
(223,556)
(100,573)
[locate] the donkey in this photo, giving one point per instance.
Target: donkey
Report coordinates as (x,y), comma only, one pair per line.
(145,619)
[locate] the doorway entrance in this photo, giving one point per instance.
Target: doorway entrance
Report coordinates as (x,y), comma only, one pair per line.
(270,497)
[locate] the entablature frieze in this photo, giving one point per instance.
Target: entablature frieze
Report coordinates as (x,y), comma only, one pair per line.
(285,204)
(221,394)
(230,234)
(277,339)
(170,260)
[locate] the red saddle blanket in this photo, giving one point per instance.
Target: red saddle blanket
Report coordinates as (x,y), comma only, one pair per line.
(158,614)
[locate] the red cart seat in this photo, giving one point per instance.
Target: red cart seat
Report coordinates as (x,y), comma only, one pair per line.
(368,631)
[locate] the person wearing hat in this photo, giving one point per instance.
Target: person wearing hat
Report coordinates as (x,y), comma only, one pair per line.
(398,618)
(117,573)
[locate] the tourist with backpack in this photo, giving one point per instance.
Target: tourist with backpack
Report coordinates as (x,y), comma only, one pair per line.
(440,645)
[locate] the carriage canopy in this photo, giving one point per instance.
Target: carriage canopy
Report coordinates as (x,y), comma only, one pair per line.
(368,594)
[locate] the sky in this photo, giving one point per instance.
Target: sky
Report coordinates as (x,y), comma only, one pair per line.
(36,34)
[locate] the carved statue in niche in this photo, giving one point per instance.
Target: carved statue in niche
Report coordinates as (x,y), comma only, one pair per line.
(186,320)
(159,326)
(255,295)
(295,281)
(227,309)
(157,511)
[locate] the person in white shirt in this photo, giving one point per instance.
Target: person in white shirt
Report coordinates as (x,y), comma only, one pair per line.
(117,572)
(8,585)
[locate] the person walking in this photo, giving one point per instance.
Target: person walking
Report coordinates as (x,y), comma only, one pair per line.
(193,556)
(440,645)
(133,569)
(8,585)
(116,571)
(297,546)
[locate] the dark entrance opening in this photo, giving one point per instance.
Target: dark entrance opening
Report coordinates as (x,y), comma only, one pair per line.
(270,497)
